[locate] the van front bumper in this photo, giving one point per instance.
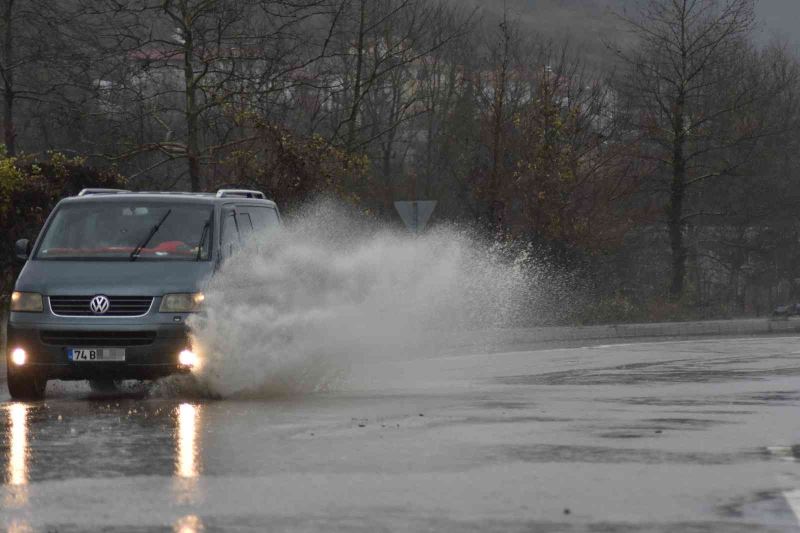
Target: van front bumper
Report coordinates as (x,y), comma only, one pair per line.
(151,351)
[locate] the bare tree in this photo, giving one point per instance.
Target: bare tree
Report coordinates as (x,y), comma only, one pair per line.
(747,233)
(185,68)
(7,72)
(503,84)
(681,83)
(32,49)
(381,42)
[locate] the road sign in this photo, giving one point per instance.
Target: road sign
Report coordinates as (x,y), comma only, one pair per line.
(415,215)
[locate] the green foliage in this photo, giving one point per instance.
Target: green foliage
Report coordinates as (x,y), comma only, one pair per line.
(29,189)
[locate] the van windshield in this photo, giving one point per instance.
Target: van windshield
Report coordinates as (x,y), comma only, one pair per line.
(127,231)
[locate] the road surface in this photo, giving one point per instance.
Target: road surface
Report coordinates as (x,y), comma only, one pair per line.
(699,435)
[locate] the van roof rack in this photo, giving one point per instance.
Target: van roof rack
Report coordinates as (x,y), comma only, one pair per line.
(181,193)
(240,193)
(87,192)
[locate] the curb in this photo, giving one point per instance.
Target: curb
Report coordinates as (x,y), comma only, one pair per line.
(543,335)
(749,326)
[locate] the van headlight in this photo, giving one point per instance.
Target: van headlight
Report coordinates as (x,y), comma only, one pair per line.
(189,302)
(26,302)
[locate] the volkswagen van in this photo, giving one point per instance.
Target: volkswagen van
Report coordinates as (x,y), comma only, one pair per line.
(111,279)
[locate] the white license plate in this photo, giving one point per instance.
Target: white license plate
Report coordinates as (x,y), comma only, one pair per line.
(80,355)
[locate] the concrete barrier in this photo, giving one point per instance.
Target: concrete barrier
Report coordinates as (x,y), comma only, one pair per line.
(531,337)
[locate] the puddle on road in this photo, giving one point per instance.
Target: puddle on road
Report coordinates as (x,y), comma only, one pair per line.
(484,421)
(684,423)
(505,405)
(95,439)
(785,453)
(765,507)
(751,399)
(622,434)
(777,396)
(546,453)
(669,371)
(653,427)
(619,376)
(735,412)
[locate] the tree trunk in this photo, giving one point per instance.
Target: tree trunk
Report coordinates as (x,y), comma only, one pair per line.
(675,206)
(497,149)
(388,148)
(496,205)
(192,134)
(9,132)
(353,118)
(495,202)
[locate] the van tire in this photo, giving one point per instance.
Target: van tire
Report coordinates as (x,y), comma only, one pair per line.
(25,385)
(104,386)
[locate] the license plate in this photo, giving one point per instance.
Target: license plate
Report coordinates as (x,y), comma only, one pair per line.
(81,355)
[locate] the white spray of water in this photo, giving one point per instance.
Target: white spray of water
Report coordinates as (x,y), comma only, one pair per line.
(295,310)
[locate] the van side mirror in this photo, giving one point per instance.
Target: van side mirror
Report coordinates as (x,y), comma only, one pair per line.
(23,249)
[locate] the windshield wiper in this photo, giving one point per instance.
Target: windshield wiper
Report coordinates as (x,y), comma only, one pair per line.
(136,251)
(202,240)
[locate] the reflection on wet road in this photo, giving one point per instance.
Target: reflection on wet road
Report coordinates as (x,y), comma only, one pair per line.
(17,471)
(697,435)
(179,420)
(17,457)
(188,524)
(186,459)
(186,449)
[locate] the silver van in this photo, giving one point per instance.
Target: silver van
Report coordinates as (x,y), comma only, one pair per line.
(109,283)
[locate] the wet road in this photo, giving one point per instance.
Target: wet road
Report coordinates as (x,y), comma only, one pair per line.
(699,435)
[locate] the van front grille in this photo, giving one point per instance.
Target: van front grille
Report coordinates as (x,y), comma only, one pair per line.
(119,305)
(97,338)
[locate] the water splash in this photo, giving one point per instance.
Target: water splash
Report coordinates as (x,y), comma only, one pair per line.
(296,309)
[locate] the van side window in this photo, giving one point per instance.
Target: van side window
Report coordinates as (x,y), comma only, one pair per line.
(245,226)
(263,217)
(229,238)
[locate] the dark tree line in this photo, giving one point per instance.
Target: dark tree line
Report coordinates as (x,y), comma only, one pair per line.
(664,178)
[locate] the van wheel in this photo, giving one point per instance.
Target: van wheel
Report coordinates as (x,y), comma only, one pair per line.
(105,386)
(25,385)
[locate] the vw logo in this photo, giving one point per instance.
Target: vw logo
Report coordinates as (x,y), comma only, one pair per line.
(99,305)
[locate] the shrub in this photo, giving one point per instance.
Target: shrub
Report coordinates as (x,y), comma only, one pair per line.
(29,189)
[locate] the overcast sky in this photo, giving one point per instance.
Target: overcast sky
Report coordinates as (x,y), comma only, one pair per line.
(781,17)
(591,23)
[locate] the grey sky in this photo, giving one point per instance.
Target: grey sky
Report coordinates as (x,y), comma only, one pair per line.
(590,23)
(781,17)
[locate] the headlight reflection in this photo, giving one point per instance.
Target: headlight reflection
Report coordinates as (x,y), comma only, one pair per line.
(17,466)
(19,527)
(18,453)
(188,524)
(187,452)
(186,464)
